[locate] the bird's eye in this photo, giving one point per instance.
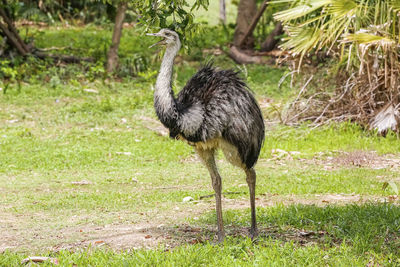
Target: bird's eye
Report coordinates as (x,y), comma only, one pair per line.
(167,34)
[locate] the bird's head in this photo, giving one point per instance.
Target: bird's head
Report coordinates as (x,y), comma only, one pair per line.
(169,37)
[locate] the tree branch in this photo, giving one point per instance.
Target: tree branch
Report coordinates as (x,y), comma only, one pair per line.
(271,40)
(11,38)
(242,58)
(254,23)
(13,30)
(63,58)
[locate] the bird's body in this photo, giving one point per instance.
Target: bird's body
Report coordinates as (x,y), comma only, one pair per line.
(215,110)
(227,110)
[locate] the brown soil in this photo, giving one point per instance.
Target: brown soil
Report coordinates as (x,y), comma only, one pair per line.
(340,159)
(167,228)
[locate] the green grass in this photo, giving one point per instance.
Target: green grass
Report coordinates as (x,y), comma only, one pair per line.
(64,134)
(368,227)
(267,252)
(54,133)
(344,136)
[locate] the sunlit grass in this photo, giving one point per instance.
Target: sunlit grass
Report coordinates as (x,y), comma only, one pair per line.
(76,152)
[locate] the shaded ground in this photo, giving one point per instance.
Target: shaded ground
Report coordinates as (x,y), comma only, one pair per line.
(152,231)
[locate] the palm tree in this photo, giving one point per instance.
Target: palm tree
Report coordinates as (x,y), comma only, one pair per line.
(362,34)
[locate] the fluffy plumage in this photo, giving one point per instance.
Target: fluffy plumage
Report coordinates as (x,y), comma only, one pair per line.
(215,110)
(221,105)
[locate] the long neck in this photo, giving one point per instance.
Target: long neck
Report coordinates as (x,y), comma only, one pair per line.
(164,101)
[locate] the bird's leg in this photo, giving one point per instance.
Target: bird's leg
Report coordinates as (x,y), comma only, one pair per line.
(217,185)
(208,158)
(251,181)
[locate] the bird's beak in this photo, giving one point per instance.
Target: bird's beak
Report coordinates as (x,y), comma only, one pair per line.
(159,42)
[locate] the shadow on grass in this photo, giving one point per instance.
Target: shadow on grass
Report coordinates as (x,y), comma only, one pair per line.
(366,227)
(369,227)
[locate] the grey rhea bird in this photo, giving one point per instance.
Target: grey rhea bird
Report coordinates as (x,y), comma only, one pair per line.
(215,110)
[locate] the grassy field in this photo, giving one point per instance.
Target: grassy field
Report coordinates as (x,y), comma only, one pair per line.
(86,178)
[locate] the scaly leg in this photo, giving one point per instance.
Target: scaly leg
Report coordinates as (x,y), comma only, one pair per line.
(251,181)
(208,158)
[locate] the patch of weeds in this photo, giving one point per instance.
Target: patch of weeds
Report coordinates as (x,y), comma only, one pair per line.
(370,227)
(25,133)
(296,179)
(93,107)
(256,78)
(341,136)
(233,252)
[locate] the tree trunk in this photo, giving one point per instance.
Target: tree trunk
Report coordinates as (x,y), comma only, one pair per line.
(222,13)
(112,55)
(246,12)
(12,34)
(271,41)
(253,23)
(12,40)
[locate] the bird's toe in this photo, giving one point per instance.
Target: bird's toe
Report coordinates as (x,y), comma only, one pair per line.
(253,233)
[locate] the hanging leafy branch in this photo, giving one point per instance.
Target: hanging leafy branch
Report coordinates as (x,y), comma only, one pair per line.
(176,15)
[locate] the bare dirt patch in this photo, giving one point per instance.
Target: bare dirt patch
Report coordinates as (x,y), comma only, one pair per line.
(340,159)
(168,227)
(368,159)
(268,200)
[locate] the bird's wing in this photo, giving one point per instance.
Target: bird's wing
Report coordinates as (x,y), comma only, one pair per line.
(191,119)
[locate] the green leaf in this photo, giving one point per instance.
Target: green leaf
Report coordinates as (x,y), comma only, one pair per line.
(392,185)
(369,38)
(301,10)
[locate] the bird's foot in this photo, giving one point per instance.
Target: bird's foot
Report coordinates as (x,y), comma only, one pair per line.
(221,237)
(253,233)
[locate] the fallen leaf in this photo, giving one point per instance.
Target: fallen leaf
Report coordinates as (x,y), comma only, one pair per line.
(187,199)
(277,150)
(91,91)
(39,259)
(147,236)
(83,182)
(303,233)
(124,153)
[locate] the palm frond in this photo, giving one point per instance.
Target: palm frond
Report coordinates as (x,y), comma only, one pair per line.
(302,40)
(301,10)
(369,39)
(342,8)
(395,4)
